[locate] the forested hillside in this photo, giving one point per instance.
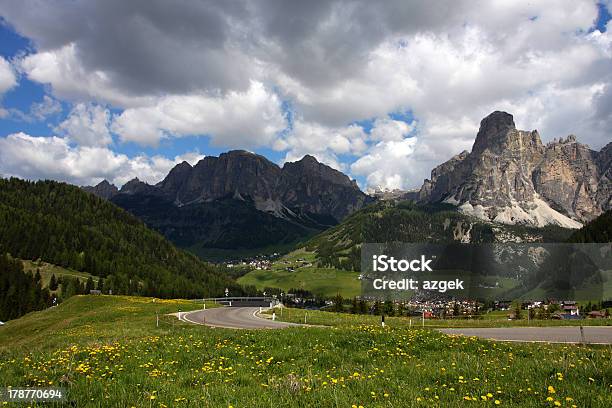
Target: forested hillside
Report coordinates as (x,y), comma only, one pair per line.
(20,292)
(598,230)
(61,224)
(405,221)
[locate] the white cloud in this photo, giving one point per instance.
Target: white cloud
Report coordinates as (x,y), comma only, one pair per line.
(34,158)
(7,76)
(323,142)
(238,119)
(47,107)
(388,129)
(87,125)
(387,164)
(69,79)
(339,63)
(39,111)
(7,82)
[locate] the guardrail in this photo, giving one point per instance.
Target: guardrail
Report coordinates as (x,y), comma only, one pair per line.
(236,298)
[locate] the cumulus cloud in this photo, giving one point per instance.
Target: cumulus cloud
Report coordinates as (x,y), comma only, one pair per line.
(323,142)
(7,76)
(387,163)
(224,70)
(386,129)
(47,107)
(30,157)
(239,119)
(87,125)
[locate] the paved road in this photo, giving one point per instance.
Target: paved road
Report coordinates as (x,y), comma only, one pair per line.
(592,334)
(233,318)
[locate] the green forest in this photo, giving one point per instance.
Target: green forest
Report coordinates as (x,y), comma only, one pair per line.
(20,292)
(598,230)
(63,225)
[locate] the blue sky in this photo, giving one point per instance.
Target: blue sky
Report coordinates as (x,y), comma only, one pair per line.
(383,103)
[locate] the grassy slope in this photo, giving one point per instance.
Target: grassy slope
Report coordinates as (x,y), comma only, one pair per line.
(84,319)
(47,270)
(320,281)
(108,352)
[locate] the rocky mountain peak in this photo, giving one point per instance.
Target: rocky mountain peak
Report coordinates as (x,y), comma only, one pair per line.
(493,130)
(104,189)
(304,186)
(177,176)
(135,186)
(511,177)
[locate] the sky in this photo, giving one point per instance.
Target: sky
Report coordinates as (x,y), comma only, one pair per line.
(383,91)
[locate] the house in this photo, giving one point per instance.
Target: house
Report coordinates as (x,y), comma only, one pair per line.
(503,305)
(571,309)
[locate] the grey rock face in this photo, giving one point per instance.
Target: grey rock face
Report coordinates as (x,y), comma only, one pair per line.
(511,177)
(316,188)
(103,190)
(302,186)
(233,173)
(135,186)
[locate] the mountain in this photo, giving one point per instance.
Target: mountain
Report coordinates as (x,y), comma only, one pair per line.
(511,177)
(63,225)
(104,190)
(241,200)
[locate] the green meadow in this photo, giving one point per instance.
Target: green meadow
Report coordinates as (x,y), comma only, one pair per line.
(109,351)
(290,273)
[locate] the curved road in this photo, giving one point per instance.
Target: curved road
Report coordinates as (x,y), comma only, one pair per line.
(233,318)
(562,334)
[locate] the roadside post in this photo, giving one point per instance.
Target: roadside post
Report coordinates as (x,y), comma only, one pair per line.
(273,316)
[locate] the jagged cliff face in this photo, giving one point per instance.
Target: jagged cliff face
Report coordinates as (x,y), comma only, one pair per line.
(305,186)
(315,188)
(236,173)
(511,177)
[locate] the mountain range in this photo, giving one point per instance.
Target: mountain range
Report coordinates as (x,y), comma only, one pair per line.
(240,200)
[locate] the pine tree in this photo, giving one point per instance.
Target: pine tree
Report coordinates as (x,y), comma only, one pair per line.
(338,303)
(53,283)
(355,306)
(89,286)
